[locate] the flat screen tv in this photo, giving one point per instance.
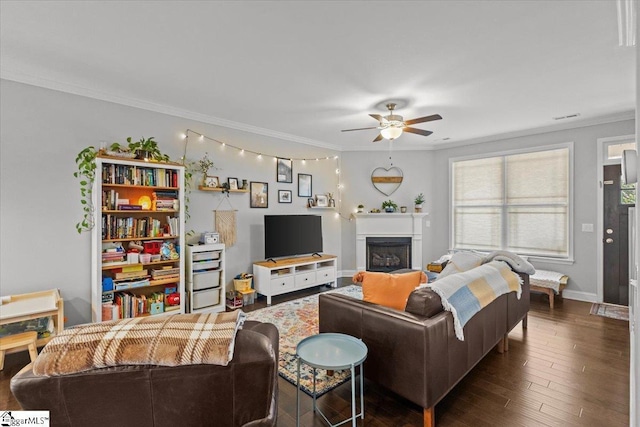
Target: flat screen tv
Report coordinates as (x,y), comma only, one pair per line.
(291,235)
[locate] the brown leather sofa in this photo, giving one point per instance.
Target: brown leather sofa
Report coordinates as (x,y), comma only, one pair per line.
(243,393)
(415,352)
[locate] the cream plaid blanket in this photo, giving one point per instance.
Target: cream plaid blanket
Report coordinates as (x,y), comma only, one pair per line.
(181,339)
(465,294)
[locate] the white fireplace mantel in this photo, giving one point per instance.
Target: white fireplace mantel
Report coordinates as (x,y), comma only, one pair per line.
(389,225)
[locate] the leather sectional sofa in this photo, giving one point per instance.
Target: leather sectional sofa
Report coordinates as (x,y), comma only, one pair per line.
(415,352)
(243,393)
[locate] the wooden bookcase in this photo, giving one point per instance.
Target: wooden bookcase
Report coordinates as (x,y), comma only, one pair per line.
(137,203)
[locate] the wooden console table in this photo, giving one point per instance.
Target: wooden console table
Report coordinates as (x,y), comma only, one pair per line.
(33,306)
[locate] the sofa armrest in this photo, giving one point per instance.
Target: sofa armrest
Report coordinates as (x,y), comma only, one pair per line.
(408,353)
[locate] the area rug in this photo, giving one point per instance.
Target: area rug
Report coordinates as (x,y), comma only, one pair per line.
(620,312)
(296,320)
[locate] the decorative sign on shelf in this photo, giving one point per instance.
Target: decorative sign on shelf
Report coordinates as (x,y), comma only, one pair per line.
(387,180)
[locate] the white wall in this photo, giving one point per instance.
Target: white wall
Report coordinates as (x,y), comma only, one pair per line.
(41,132)
(418,177)
(582,273)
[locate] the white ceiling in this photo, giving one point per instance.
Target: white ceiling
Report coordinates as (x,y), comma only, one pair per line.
(305,70)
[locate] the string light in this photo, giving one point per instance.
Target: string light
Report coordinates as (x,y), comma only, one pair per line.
(203,137)
(259,156)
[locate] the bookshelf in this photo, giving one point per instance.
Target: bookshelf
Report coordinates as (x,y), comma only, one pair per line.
(138,262)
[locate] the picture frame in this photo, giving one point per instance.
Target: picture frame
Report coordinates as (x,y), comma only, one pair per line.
(322,200)
(284,170)
(211,181)
(284,196)
(304,185)
(259,194)
(233,183)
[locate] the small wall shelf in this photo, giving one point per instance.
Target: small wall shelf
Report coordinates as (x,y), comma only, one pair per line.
(220,189)
(321,207)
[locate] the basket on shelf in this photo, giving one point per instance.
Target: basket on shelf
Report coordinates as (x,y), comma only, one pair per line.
(242,284)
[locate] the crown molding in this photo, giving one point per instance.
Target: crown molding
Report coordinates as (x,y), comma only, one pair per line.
(612,118)
(157,108)
(73,89)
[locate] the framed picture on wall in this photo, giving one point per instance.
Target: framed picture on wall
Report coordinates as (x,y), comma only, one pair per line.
(259,194)
(233,183)
(211,181)
(304,185)
(322,200)
(284,170)
(284,196)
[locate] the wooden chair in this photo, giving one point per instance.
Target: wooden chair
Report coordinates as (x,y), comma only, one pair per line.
(24,339)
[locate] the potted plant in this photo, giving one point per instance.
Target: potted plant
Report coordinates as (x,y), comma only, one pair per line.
(203,165)
(86,161)
(147,149)
(360,208)
(389,206)
(418,201)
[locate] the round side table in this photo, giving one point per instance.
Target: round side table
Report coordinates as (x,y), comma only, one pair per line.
(332,352)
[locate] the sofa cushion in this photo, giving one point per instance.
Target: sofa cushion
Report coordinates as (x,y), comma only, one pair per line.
(424,302)
(387,289)
(461,262)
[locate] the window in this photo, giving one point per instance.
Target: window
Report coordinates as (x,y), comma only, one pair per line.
(517,202)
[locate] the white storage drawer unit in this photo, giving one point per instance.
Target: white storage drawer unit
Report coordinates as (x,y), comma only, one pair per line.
(303,280)
(283,284)
(205,299)
(206,279)
(326,274)
(206,283)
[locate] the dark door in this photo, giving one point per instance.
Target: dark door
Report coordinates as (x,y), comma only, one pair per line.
(617,202)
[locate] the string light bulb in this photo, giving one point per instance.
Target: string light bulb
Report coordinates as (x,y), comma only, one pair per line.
(201,138)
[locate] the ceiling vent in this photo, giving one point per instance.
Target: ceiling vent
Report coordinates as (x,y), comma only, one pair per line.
(569,116)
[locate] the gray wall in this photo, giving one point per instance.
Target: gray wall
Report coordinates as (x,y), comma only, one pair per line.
(41,132)
(582,273)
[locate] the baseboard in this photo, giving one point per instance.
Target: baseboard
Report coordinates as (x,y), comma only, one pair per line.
(579,296)
(346,273)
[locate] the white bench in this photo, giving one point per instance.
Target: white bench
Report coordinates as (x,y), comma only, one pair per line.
(548,282)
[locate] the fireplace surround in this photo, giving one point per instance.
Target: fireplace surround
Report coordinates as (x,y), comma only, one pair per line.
(389,226)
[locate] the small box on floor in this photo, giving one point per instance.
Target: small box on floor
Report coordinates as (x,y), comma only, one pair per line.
(233,300)
(248,297)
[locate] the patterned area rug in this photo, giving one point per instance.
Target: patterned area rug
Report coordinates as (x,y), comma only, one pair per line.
(296,320)
(620,312)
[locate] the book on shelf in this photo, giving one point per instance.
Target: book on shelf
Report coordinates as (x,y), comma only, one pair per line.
(131,274)
(128,207)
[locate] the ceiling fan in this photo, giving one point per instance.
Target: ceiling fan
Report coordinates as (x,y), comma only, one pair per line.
(392,125)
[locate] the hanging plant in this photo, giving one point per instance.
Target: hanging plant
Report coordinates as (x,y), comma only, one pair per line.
(86,161)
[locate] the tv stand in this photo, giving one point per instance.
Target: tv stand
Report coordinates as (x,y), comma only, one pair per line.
(277,277)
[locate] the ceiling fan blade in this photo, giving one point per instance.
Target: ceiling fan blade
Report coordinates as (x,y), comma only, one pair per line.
(378,117)
(423,119)
(378,138)
(417,131)
(349,130)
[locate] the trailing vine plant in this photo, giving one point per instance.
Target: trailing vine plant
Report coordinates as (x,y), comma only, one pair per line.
(86,161)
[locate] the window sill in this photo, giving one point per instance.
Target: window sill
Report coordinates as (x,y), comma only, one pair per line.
(546,260)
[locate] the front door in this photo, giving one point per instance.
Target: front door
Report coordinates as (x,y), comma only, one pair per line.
(618,199)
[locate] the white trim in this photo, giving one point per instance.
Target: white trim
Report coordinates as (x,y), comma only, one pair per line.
(159,108)
(568,145)
(346,273)
(549,260)
(21,77)
(579,296)
(602,160)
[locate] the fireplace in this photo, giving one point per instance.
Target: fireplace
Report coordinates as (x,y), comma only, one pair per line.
(389,227)
(388,253)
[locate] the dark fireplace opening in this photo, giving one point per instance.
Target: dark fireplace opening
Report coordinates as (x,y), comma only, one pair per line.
(386,254)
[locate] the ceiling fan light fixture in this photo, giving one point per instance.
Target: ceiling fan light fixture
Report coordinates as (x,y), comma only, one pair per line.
(391,132)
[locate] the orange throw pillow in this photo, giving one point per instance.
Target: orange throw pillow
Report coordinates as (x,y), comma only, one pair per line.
(389,290)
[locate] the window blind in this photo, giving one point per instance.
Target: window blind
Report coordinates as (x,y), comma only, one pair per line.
(517,202)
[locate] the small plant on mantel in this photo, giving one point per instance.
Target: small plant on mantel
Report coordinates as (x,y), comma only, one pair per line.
(389,206)
(418,201)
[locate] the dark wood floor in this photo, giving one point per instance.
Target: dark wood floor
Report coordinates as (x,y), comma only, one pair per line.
(569,368)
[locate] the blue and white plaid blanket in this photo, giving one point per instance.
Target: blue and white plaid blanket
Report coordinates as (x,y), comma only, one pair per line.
(465,294)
